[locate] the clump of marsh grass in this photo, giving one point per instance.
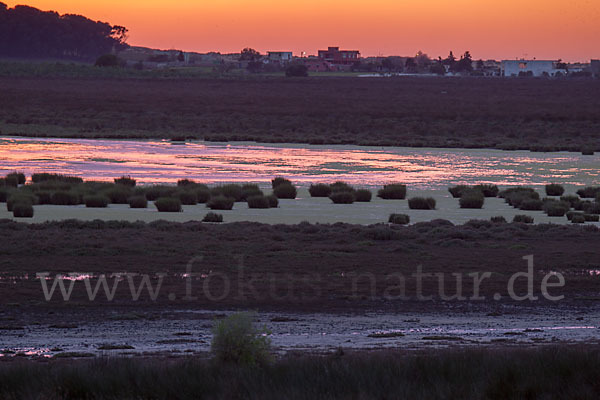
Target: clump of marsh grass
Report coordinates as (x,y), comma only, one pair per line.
(258,201)
(168,204)
(525,219)
(213,217)
(220,202)
(498,219)
(187,197)
(23,210)
(471,199)
(125,181)
(138,202)
(363,195)
(96,201)
(421,203)
(589,192)
(554,189)
(319,190)
(280,181)
(342,197)
(285,191)
(399,219)
(393,191)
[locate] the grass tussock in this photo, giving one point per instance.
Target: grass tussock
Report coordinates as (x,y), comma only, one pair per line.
(23,210)
(258,201)
(125,181)
(421,203)
(554,189)
(43,177)
(393,191)
(498,220)
(319,190)
(220,202)
(525,219)
(589,192)
(96,201)
(363,195)
(138,202)
(285,191)
(471,199)
(213,217)
(399,219)
(342,197)
(168,204)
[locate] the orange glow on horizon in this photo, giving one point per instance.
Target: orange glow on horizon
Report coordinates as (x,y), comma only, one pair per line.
(545,29)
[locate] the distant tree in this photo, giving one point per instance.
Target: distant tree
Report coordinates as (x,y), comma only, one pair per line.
(465,64)
(437,68)
(387,63)
(422,60)
(181,57)
(107,60)
(296,70)
(450,60)
(480,64)
(249,54)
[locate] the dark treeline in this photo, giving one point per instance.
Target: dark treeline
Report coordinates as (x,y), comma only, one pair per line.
(27,32)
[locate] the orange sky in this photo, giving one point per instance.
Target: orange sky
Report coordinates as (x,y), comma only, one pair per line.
(548,29)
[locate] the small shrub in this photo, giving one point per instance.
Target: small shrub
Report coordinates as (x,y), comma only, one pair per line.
(43,177)
(273,201)
(44,197)
(340,186)
(220,203)
(119,194)
(587,151)
(19,198)
(4,194)
(589,192)
(23,210)
(363,195)
(11,181)
(571,199)
(342,197)
(125,181)
(319,190)
(471,199)
(516,198)
(203,195)
(138,202)
(578,219)
(185,182)
(212,217)
(259,201)
(280,181)
(285,191)
(63,198)
(187,198)
(498,219)
(571,214)
(531,205)
(507,192)
(554,190)
(19,176)
(237,340)
(157,191)
(555,210)
(457,191)
(232,191)
(421,203)
(394,191)
(249,190)
(525,219)
(591,217)
(96,201)
(591,208)
(487,189)
(168,204)
(399,219)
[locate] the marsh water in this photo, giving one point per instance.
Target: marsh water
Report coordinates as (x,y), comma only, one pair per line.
(161,161)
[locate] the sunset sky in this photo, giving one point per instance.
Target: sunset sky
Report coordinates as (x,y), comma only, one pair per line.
(545,29)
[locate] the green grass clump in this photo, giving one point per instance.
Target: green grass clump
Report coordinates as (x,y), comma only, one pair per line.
(363,195)
(342,197)
(237,340)
(471,199)
(285,191)
(589,192)
(531,205)
(187,197)
(23,210)
(64,198)
(498,219)
(168,204)
(138,202)
(280,181)
(399,219)
(393,191)
(457,191)
(421,203)
(319,190)
(18,176)
(488,189)
(42,177)
(125,181)
(259,201)
(213,217)
(96,201)
(220,202)
(525,219)
(554,189)
(273,201)
(119,194)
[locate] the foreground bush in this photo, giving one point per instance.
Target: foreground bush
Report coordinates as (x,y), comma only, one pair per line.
(319,190)
(471,199)
(237,340)
(342,197)
(96,201)
(421,203)
(554,190)
(168,204)
(526,219)
(363,195)
(212,217)
(4,194)
(394,191)
(259,201)
(498,219)
(589,192)
(285,191)
(399,219)
(220,203)
(19,198)
(125,181)
(138,202)
(591,217)
(23,210)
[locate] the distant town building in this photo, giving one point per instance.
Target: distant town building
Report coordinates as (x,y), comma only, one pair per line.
(595,66)
(281,57)
(531,68)
(336,56)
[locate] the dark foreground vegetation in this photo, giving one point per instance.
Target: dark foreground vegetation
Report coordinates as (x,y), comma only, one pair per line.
(541,115)
(489,373)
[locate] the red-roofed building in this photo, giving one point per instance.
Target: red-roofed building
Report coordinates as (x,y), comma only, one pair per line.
(334,55)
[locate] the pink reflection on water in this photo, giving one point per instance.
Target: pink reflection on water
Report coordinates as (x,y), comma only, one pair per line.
(163,161)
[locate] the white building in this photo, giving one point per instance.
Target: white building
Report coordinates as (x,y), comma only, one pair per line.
(530,68)
(279,56)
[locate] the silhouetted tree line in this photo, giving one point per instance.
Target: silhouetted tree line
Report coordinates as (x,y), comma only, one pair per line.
(31,33)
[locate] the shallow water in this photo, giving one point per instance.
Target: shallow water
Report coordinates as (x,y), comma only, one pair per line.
(164,161)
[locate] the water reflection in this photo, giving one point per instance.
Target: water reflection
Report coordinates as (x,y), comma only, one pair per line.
(163,161)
